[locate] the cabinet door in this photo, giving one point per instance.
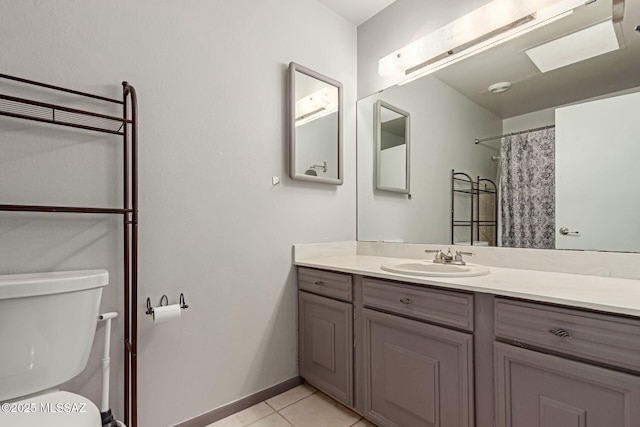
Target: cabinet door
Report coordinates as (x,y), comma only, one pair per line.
(326,345)
(539,390)
(416,374)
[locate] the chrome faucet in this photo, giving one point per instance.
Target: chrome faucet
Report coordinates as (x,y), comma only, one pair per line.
(441,257)
(448,258)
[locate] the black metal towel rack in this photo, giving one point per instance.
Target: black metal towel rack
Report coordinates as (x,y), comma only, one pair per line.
(475,189)
(126,127)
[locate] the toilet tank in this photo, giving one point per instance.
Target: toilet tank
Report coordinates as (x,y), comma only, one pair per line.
(47,325)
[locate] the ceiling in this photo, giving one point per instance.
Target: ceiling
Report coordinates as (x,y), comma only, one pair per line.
(356,11)
(532,90)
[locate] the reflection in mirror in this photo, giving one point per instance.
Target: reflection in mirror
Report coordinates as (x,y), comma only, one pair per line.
(315,126)
(393,155)
(561,144)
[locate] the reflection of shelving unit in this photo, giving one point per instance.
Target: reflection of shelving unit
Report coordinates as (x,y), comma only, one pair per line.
(461,183)
(126,127)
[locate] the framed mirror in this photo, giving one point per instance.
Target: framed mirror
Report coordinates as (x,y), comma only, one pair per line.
(392,134)
(315,126)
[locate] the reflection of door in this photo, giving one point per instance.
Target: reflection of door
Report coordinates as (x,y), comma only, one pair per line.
(597,184)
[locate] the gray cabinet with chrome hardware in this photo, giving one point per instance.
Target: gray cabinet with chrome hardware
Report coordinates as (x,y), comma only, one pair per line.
(326,332)
(417,373)
(404,354)
(536,389)
(454,309)
(408,348)
(332,285)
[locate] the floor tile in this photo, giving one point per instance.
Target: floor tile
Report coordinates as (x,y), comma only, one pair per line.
(319,410)
(363,423)
(273,420)
(291,396)
(246,417)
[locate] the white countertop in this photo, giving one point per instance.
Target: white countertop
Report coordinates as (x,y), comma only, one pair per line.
(621,296)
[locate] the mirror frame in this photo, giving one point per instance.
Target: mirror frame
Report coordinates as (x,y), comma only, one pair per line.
(293,68)
(377,131)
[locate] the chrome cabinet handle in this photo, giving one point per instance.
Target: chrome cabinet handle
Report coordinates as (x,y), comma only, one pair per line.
(560,333)
(318,283)
(406,301)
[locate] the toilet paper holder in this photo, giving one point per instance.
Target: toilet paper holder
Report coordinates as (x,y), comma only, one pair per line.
(165,299)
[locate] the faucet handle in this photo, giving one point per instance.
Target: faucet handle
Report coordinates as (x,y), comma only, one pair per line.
(434,251)
(459,256)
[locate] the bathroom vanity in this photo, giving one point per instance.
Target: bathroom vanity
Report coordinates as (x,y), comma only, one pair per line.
(423,351)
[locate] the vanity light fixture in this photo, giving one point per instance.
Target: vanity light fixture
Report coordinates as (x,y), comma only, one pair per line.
(315,106)
(480,30)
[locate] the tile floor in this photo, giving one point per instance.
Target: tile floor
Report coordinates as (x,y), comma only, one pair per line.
(302,406)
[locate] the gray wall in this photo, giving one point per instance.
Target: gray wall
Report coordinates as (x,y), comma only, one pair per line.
(444,124)
(399,24)
(527,121)
(211,80)
(313,142)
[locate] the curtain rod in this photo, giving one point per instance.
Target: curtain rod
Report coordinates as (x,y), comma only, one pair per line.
(477,141)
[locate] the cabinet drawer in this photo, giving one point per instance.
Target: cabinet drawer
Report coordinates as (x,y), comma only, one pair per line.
(443,307)
(603,338)
(334,285)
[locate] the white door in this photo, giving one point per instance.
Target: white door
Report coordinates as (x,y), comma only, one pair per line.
(598,174)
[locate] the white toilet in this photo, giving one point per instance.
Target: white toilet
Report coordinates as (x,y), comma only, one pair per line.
(47,326)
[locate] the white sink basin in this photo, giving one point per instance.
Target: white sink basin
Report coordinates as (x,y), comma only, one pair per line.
(429,268)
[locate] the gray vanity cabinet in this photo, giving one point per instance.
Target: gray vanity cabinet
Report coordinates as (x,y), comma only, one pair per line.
(326,333)
(540,390)
(407,355)
(534,388)
(417,374)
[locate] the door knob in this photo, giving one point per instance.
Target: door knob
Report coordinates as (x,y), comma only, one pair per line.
(566,232)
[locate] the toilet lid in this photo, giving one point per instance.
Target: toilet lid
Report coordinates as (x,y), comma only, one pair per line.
(59,409)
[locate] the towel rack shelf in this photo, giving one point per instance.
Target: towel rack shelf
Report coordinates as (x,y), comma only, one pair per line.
(463,184)
(102,120)
(29,109)
(63,209)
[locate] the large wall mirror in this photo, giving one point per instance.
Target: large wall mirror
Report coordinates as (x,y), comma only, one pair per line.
(392,128)
(315,126)
(561,143)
